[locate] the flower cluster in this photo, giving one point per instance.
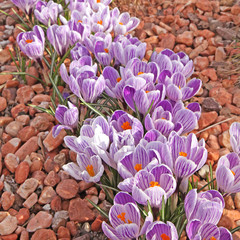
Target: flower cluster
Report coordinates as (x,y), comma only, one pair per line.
(142,134)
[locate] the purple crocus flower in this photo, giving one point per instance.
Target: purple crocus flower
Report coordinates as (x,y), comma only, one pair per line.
(32,43)
(68,117)
(188,155)
(26,6)
(125,218)
(196,231)
(123,23)
(205,206)
(101,21)
(127,48)
(47,12)
(165,119)
(170,63)
(228,173)
(98,5)
(153,185)
(122,121)
(79,51)
(160,230)
(114,82)
(59,37)
(235,137)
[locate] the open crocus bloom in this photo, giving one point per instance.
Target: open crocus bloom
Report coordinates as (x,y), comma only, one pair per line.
(25,5)
(205,206)
(124,216)
(235,137)
(196,231)
(161,231)
(228,173)
(153,185)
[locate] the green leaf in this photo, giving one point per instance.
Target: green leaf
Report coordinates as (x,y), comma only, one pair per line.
(235,230)
(42,109)
(149,207)
(106,186)
(162,212)
(99,209)
(206,185)
(61,99)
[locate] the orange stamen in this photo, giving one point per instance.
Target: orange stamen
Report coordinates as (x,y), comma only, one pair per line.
(179,87)
(183,154)
(90,170)
(99,22)
(106,50)
(233,173)
(126,125)
(129,221)
(119,79)
(98,1)
(29,41)
(121,23)
(154,184)
(79,21)
(138,167)
(165,236)
(140,73)
(122,216)
(147,91)
(212,238)
(163,118)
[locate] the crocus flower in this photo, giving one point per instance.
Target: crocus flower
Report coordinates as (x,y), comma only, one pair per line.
(127,48)
(160,230)
(123,23)
(47,12)
(68,117)
(125,217)
(114,82)
(59,37)
(98,5)
(228,173)
(196,231)
(79,51)
(153,185)
(122,121)
(235,137)
(32,43)
(25,5)
(188,155)
(166,119)
(204,206)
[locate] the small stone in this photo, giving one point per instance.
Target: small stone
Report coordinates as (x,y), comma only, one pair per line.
(38,88)
(218,92)
(47,195)
(209,104)
(63,233)
(24,94)
(56,204)
(203,172)
(11,162)
(41,220)
(224,140)
(60,159)
(26,133)
(40,176)
(207,118)
(226,33)
(52,143)
(7,200)
(22,172)
(168,41)
(237,200)
(235,10)
(5,120)
(52,179)
(72,227)
(201,63)
(185,38)
(86,227)
(229,204)
(27,188)
(8,225)
(92,191)
(22,216)
(59,219)
(44,234)
(79,211)
(199,49)
(20,108)
(24,235)
(67,188)
(3,104)
(211,73)
(4,58)
(41,98)
(96,226)
(11,146)
(236,98)
(27,148)
(220,54)
(24,119)
(31,80)
(84,186)
(31,200)
(204,5)
(13,128)
(40,123)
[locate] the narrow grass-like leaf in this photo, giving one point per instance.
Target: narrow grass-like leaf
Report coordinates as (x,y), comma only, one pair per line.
(42,109)
(61,99)
(162,212)
(181,228)
(235,230)
(206,185)
(99,209)
(106,186)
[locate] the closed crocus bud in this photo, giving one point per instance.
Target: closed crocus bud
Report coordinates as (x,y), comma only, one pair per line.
(68,117)
(32,43)
(59,37)
(47,12)
(125,218)
(204,206)
(25,5)
(198,231)
(228,172)
(160,230)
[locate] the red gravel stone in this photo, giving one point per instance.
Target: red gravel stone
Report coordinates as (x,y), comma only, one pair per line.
(7,200)
(11,146)
(26,133)
(23,215)
(11,162)
(27,188)
(44,234)
(56,204)
(31,200)
(3,104)
(10,237)
(20,108)
(67,188)
(24,94)
(52,179)
(47,195)
(207,118)
(63,233)
(22,172)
